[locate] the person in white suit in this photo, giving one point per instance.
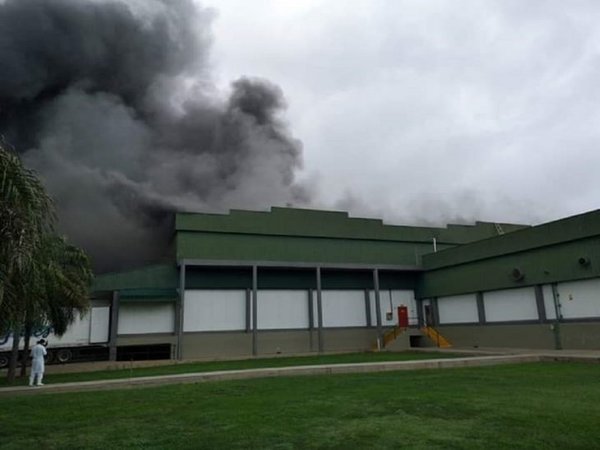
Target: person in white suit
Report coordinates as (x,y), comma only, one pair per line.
(37,364)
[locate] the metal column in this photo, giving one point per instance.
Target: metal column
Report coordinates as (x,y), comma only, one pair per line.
(319,310)
(556,328)
(311,318)
(539,300)
(114,326)
(180,311)
(254,310)
(248,310)
(377,307)
(420,320)
(368,308)
(480,308)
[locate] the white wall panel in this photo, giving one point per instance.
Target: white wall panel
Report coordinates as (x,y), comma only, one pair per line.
(580,299)
(281,309)
(510,304)
(143,318)
(458,309)
(214,310)
(99,324)
(344,308)
(549,302)
(389,301)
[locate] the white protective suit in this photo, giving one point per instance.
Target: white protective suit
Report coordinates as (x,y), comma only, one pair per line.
(37,364)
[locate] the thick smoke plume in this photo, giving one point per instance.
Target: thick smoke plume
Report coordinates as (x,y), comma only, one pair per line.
(111,102)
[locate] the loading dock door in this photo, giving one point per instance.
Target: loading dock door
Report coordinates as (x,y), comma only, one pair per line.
(99,325)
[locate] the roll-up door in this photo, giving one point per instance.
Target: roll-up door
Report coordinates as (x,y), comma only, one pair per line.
(579,299)
(214,310)
(146,317)
(99,324)
(344,308)
(458,309)
(510,305)
(282,309)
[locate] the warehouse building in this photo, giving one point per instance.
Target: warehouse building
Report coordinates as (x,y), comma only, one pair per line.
(293,281)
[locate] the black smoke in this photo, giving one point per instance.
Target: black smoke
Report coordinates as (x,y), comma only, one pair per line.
(112,103)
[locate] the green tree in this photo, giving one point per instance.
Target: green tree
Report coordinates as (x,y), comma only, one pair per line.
(26,215)
(43,279)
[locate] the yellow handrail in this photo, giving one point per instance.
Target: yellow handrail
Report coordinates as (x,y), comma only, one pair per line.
(435,336)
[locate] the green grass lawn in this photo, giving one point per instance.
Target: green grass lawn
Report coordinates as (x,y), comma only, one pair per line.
(533,406)
(234,365)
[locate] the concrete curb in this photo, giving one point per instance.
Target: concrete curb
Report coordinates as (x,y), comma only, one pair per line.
(326,369)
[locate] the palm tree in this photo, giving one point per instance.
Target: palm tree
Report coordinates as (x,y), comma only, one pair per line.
(58,288)
(26,214)
(42,278)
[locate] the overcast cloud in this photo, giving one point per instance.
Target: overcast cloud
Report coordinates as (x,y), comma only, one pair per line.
(431,111)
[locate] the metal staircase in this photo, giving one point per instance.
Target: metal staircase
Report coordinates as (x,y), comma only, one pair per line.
(436,337)
(388,337)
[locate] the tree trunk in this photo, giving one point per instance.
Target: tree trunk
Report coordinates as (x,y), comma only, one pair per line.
(14,355)
(25,355)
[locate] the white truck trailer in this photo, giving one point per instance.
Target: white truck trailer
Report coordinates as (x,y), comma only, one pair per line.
(85,339)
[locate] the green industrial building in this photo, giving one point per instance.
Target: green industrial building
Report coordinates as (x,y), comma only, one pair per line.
(297,281)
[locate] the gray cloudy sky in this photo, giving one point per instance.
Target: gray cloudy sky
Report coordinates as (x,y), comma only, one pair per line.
(431,111)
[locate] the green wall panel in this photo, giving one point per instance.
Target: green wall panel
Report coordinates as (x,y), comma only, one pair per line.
(398,280)
(336,224)
(574,228)
(163,276)
(218,278)
(286,279)
(219,246)
(544,265)
(344,279)
(273,278)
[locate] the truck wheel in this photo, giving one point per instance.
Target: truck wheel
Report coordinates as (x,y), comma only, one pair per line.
(64,355)
(3,361)
(49,356)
